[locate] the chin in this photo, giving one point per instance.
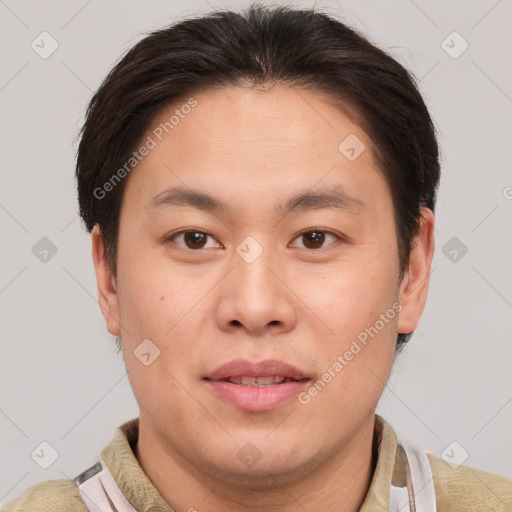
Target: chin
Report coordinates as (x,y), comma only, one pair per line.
(262,477)
(280,467)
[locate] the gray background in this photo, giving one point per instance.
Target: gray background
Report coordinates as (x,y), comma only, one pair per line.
(62,381)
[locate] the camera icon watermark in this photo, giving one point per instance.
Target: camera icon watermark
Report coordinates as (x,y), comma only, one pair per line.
(454,45)
(351,147)
(249,455)
(44,250)
(44,45)
(44,455)
(454,249)
(147,352)
(249,250)
(455,454)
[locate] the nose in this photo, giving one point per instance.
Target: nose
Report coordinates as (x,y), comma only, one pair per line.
(254,297)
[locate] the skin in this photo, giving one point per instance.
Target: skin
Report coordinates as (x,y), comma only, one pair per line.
(202,308)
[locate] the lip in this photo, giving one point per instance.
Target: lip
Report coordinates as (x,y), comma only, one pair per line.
(267,368)
(256,399)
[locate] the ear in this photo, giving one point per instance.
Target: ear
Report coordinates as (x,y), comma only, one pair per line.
(414,285)
(107,291)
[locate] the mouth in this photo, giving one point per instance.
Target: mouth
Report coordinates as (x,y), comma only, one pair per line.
(259,381)
(256,387)
(266,372)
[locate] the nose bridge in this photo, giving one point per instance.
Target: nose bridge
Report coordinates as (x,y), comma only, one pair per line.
(252,274)
(253,296)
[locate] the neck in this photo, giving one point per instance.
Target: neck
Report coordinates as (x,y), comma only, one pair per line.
(339,482)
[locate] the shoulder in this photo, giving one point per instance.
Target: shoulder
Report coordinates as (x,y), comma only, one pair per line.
(49,496)
(467,489)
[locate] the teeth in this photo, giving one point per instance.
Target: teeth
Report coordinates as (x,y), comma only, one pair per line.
(258,381)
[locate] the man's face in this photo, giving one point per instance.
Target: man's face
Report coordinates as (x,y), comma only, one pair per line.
(295,283)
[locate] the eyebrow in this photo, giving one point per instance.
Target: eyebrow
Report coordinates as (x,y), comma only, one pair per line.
(333,197)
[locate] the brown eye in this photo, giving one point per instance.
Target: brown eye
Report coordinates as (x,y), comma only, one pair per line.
(192,239)
(315,239)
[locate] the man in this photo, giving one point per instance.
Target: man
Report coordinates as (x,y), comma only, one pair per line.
(260,190)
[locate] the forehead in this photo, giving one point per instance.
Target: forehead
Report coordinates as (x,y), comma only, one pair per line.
(246,143)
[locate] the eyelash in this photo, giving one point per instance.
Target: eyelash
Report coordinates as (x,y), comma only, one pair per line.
(172,238)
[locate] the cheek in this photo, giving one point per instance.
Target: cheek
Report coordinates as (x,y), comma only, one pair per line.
(152,295)
(163,305)
(356,361)
(350,298)
(356,303)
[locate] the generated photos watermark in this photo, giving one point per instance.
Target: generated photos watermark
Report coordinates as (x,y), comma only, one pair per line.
(343,360)
(150,143)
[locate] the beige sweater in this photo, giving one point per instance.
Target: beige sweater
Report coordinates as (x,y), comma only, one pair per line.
(457,490)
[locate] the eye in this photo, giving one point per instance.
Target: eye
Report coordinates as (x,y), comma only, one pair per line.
(192,239)
(314,239)
(195,239)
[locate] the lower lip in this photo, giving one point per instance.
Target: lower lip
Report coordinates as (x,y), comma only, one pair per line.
(257,399)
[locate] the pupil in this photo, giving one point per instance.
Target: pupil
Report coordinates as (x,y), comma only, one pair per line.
(192,238)
(316,238)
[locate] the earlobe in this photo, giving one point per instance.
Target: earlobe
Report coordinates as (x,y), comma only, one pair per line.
(106,283)
(414,286)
